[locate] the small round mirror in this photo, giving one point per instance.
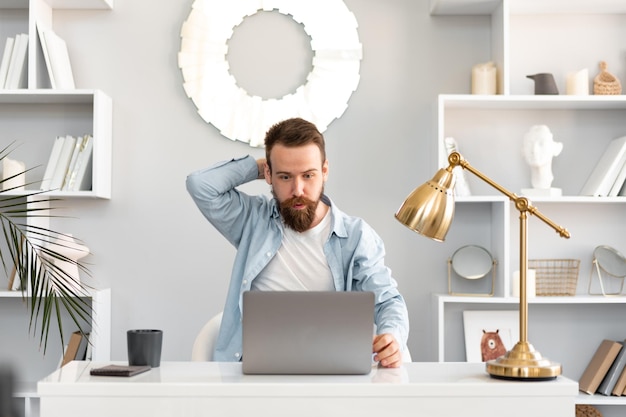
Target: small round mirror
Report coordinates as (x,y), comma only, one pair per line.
(610,260)
(472,262)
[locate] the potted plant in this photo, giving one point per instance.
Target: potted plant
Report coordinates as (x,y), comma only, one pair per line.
(29,256)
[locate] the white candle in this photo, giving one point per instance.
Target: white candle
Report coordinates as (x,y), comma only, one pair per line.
(11,167)
(72,250)
(577,83)
(530,284)
(484,80)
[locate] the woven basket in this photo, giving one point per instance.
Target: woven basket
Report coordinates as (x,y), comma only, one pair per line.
(585,410)
(555,277)
(606,83)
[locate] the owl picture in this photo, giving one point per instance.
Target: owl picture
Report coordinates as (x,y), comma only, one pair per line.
(489,334)
(491,345)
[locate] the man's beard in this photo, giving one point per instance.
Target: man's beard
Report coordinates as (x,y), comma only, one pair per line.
(299,220)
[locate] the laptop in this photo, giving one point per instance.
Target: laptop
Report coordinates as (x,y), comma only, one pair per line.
(307,332)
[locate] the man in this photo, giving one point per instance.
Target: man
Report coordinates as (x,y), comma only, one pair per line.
(299,240)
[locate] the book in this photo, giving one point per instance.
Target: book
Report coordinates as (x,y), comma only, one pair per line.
(89,351)
(59,60)
(56,182)
(599,365)
(619,182)
(52,162)
(15,280)
(78,146)
(16,74)
(6,59)
(610,379)
(72,348)
(620,384)
(46,55)
(81,352)
(80,174)
(12,281)
(119,370)
(84,179)
(13,57)
(607,169)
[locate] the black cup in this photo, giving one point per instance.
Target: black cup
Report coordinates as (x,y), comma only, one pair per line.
(144,347)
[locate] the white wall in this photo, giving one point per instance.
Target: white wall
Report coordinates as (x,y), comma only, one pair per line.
(166,266)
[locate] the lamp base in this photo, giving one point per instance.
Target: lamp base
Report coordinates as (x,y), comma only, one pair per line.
(524,363)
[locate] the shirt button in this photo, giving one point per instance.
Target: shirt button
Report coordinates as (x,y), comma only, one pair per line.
(245,282)
(237,355)
(268,254)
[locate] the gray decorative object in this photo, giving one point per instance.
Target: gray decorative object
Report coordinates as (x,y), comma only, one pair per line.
(544,83)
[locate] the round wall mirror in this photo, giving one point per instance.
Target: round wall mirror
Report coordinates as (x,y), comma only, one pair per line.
(472,262)
(236,113)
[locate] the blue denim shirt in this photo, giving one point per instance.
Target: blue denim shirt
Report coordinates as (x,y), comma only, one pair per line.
(354,251)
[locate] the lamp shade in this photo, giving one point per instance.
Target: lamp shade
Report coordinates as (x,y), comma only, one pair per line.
(429,209)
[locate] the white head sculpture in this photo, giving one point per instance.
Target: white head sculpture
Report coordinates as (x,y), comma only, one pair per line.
(538,149)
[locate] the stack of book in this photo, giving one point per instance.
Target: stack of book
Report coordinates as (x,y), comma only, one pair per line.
(69,165)
(14,68)
(606,372)
(608,177)
(13,65)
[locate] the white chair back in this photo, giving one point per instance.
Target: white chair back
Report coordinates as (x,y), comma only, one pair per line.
(202,350)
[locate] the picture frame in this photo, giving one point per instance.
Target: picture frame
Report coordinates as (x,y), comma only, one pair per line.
(489,334)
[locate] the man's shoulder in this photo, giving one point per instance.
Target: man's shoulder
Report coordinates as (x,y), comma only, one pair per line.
(351,225)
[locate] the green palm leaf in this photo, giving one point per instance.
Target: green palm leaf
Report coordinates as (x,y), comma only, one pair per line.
(35,253)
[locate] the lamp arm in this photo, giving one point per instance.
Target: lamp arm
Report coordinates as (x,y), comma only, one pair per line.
(521,203)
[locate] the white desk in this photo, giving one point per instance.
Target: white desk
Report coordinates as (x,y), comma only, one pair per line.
(219,389)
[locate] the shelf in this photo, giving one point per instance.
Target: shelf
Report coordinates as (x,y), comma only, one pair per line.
(562,199)
(487,7)
(533,102)
(90,110)
(25,389)
(599,400)
(11,294)
(81,4)
(57,194)
(48,96)
(577,299)
(584,124)
(463,7)
(18,294)
(62,4)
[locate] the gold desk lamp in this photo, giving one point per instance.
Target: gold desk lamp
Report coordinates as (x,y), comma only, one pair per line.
(429,210)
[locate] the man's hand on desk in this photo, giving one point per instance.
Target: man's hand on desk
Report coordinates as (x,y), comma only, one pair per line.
(387,349)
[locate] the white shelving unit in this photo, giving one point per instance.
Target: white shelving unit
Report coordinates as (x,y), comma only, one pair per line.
(100,337)
(529,37)
(52,112)
(32,117)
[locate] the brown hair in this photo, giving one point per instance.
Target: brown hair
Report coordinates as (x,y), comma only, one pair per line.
(292,133)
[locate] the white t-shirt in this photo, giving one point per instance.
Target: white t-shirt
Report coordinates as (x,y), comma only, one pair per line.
(300,263)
